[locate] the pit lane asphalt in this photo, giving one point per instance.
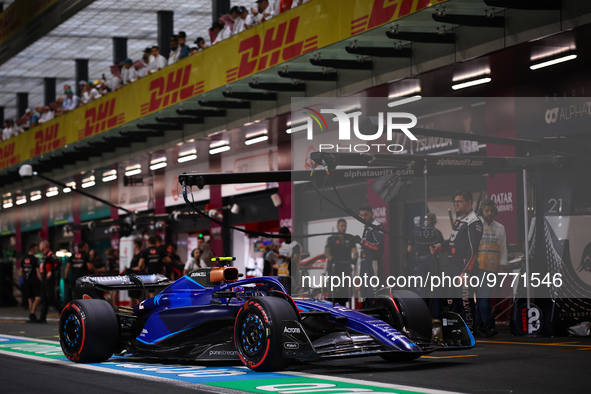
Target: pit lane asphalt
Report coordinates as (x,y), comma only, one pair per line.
(497,365)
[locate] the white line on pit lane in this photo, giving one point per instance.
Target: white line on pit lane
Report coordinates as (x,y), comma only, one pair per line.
(204,387)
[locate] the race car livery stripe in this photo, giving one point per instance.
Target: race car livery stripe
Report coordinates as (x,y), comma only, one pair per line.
(192,280)
(160,339)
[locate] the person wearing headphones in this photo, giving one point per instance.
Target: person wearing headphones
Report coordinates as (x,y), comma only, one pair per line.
(492,253)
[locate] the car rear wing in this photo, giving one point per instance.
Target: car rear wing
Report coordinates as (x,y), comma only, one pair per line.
(93,286)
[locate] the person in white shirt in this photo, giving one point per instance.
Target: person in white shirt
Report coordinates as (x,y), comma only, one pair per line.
(140,69)
(71,102)
(128,72)
(240,22)
(263,12)
(194,262)
(157,61)
(47,114)
(492,254)
(175,50)
(227,21)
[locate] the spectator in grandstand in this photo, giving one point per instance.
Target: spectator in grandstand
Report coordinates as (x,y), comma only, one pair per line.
(183,45)
(34,119)
(116,80)
(89,92)
(263,11)
(240,20)
(8,130)
(193,50)
(214,30)
(128,73)
(71,102)
(20,125)
(227,22)
(157,61)
(146,56)
(175,50)
(46,114)
(56,107)
(200,42)
(140,69)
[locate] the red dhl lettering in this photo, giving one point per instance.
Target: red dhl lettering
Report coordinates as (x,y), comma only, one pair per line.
(7,151)
(170,89)
(100,118)
(47,139)
(383,11)
(8,156)
(278,44)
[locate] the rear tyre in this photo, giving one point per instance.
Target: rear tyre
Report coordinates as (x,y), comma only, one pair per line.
(258,333)
(88,331)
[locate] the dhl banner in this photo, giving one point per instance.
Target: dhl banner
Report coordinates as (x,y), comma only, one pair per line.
(19,13)
(311,26)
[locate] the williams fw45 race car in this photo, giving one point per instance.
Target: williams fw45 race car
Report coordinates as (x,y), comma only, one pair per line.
(210,314)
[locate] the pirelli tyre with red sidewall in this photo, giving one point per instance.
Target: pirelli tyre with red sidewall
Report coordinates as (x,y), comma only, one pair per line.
(88,331)
(258,333)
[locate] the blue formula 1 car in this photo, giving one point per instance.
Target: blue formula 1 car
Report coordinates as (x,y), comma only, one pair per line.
(211,314)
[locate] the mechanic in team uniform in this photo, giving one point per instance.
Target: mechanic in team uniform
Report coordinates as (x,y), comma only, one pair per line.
(341,254)
(154,258)
(372,250)
(78,266)
(289,253)
(463,243)
(136,268)
(31,275)
(174,270)
(427,264)
(49,269)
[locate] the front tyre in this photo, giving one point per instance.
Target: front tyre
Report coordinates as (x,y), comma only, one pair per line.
(88,331)
(258,333)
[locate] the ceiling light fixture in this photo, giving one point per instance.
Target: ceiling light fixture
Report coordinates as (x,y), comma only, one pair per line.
(158,165)
(52,192)
(70,186)
(551,62)
(220,146)
(20,200)
(405,100)
(109,176)
(133,170)
(257,137)
(35,195)
(187,156)
(470,83)
(88,182)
